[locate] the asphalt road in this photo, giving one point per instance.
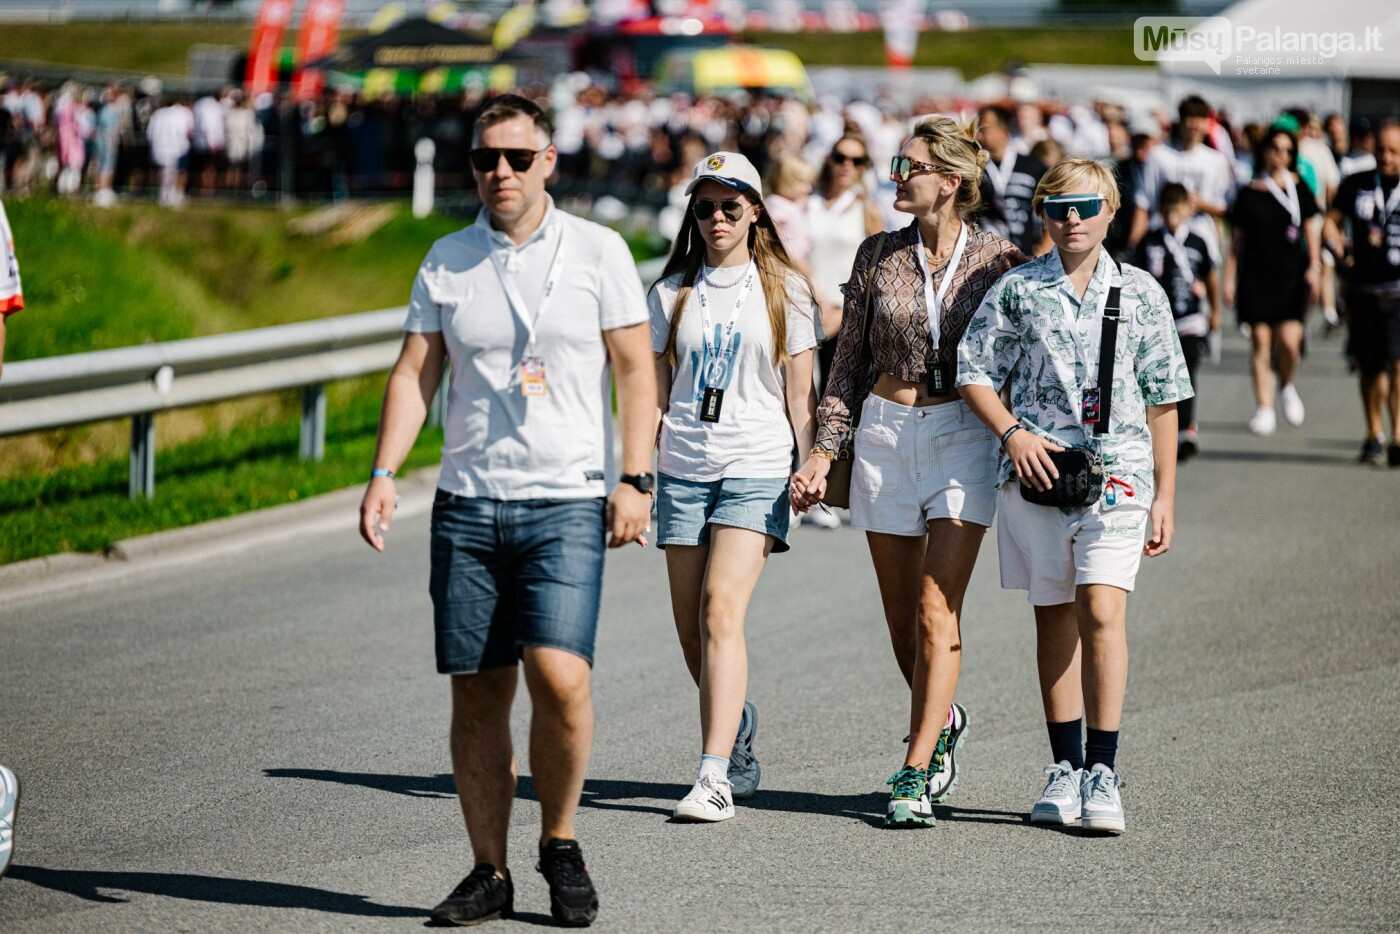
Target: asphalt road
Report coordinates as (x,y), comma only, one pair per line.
(257,741)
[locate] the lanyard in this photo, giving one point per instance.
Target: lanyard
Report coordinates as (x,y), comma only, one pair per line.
(1081,343)
(715,361)
(1001,174)
(1287,196)
(1384,207)
(513,296)
(934,300)
(1178,251)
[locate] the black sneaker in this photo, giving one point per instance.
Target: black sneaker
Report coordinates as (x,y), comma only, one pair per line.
(1372,452)
(481,896)
(1392,454)
(572,899)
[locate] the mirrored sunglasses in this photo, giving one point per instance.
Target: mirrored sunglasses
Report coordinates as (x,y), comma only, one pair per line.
(901,167)
(487,159)
(1057,207)
(704,209)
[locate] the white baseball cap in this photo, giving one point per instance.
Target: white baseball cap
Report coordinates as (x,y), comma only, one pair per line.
(727,168)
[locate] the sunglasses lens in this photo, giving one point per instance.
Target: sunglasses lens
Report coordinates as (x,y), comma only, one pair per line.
(484,160)
(1059,210)
(899,166)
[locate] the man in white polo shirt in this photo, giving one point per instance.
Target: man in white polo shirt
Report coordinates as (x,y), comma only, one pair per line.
(531,306)
(1205,172)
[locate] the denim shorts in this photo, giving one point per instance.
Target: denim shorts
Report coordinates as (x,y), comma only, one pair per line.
(507,574)
(685,509)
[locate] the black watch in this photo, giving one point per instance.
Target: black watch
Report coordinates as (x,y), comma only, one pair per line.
(644,482)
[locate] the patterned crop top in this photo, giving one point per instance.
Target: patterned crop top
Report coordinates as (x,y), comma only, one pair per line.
(899,333)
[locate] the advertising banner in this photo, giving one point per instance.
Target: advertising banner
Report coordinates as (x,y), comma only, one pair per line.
(319,30)
(268,30)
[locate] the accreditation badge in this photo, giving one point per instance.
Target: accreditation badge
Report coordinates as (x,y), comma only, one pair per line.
(1376,235)
(532,381)
(711,403)
(1090,407)
(939,380)
(1292,233)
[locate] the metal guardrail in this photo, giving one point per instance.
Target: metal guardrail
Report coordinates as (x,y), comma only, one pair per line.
(140,382)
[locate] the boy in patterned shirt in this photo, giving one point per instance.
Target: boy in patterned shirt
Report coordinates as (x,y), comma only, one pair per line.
(1037,335)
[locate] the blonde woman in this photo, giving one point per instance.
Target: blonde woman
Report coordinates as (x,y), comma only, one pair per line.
(732,325)
(788,182)
(922,486)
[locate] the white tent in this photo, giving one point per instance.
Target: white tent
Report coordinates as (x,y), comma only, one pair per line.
(1329,55)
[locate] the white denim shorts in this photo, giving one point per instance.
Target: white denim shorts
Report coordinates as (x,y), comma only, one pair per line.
(916,464)
(1048,553)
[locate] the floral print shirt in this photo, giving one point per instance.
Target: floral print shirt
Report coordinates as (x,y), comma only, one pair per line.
(1033,330)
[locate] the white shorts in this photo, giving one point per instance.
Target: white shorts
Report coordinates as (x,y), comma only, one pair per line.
(1049,554)
(916,464)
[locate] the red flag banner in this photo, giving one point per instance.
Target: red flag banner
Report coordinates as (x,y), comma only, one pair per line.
(268,30)
(319,29)
(903,21)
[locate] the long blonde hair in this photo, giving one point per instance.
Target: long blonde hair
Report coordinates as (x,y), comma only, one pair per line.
(774,269)
(954,149)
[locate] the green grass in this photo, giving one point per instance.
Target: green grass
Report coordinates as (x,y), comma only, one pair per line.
(85,508)
(151,47)
(974,53)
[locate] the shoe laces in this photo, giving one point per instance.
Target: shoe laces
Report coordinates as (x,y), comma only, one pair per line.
(564,866)
(1061,780)
(478,884)
(1101,786)
(940,752)
(908,782)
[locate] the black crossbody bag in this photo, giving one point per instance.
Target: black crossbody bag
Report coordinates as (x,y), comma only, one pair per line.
(1081,480)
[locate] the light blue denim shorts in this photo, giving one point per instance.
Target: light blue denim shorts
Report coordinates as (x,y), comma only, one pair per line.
(685,509)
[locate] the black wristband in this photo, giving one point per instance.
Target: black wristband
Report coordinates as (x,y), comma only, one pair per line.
(1008,433)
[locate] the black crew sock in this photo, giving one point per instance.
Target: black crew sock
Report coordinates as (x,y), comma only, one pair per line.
(1065,742)
(1101,746)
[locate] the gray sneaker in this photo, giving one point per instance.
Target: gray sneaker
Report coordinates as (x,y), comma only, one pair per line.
(743,767)
(9,806)
(1060,802)
(1101,808)
(943,774)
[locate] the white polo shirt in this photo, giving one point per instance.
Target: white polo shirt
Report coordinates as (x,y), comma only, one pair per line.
(497,443)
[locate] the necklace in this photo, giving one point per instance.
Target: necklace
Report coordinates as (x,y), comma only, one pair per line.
(706,269)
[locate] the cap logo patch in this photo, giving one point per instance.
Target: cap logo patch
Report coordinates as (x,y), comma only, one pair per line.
(715,163)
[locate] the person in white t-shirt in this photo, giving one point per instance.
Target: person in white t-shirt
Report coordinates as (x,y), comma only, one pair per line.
(1205,172)
(733,329)
(531,306)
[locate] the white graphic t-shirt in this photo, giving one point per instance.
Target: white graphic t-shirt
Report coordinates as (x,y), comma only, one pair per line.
(752,437)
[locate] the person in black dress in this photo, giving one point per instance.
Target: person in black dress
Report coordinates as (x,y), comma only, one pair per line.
(1276,247)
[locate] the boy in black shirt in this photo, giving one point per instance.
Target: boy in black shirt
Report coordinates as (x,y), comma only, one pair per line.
(1369,204)
(1179,260)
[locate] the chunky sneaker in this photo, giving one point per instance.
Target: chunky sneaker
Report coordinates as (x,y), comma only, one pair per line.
(1101,810)
(1292,406)
(1372,452)
(743,767)
(943,770)
(573,902)
(1263,422)
(710,801)
(909,802)
(1059,803)
(822,518)
(9,807)
(481,896)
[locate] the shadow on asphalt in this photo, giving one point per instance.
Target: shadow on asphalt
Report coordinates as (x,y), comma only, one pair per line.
(616,795)
(87,885)
(1276,457)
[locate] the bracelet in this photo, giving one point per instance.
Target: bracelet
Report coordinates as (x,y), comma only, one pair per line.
(378,472)
(1008,433)
(822,453)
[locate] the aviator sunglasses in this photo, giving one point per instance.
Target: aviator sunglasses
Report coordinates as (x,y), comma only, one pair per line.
(486,159)
(704,209)
(1057,207)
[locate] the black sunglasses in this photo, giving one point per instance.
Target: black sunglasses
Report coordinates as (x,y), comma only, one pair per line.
(704,209)
(901,167)
(486,159)
(841,158)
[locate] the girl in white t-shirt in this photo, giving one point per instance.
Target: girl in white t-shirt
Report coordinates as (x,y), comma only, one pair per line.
(732,327)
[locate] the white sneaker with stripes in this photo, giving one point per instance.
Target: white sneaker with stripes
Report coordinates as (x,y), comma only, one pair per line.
(710,801)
